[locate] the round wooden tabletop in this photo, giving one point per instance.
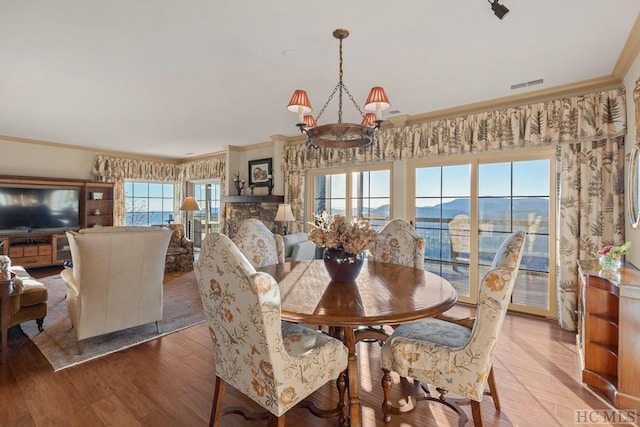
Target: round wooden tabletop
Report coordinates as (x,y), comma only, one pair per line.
(383,294)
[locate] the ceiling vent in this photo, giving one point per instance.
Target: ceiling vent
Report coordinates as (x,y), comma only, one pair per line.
(527,84)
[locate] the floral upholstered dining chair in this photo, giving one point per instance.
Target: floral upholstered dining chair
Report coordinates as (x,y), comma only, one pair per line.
(259,244)
(275,363)
(450,356)
(399,243)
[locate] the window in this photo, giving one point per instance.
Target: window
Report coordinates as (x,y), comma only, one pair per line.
(466,210)
(515,196)
(207,219)
(355,192)
(148,203)
(442,218)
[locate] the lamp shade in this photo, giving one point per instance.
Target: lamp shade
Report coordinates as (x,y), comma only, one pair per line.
(369,120)
(299,102)
(284,213)
(190,204)
(377,99)
(309,121)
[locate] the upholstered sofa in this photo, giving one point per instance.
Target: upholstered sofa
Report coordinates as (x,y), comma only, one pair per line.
(28,301)
(180,251)
(116,280)
(298,247)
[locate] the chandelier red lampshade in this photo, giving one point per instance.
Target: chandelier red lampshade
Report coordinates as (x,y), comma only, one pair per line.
(340,135)
(309,121)
(300,104)
(369,120)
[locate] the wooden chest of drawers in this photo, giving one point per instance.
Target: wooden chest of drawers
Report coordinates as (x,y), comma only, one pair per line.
(30,255)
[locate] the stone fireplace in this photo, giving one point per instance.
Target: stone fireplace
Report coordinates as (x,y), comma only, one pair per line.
(239,208)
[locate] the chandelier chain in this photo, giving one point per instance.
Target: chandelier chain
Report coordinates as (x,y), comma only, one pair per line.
(335,89)
(342,88)
(353,100)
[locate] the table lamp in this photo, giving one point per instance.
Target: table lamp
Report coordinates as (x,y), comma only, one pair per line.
(284,215)
(189,204)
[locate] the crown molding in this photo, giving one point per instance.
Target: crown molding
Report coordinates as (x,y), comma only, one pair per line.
(267,144)
(201,157)
(572,89)
(629,52)
(90,149)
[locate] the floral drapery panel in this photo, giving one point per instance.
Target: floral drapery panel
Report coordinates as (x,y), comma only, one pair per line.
(591,215)
(294,182)
(118,169)
(580,119)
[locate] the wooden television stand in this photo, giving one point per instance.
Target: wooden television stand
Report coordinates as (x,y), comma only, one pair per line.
(44,247)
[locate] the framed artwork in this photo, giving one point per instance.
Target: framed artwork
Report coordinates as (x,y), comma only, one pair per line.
(260,172)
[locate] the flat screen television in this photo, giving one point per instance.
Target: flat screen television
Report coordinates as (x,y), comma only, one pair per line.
(33,208)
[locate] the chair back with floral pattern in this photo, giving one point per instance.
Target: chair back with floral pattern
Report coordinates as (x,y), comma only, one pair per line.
(259,244)
(476,358)
(399,243)
(464,368)
(275,363)
(493,300)
(243,311)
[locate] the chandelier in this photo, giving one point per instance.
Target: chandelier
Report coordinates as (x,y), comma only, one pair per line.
(340,135)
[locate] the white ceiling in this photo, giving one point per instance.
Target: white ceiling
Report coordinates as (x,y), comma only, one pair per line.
(185,78)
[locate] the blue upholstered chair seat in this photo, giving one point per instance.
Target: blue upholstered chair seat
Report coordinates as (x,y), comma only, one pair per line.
(439,332)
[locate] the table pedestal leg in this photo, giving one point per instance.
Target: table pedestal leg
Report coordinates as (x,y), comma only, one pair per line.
(355,418)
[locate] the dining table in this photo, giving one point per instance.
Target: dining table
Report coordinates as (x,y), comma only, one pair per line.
(382,294)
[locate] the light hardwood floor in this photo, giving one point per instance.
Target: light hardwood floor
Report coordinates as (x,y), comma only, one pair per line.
(169,382)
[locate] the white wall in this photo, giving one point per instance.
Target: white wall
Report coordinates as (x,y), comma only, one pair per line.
(632,235)
(45,161)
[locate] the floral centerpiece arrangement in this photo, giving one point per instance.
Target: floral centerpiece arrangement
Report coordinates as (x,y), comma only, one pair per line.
(345,244)
(610,256)
(333,231)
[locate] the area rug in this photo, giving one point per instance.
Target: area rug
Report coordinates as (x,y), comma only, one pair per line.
(58,342)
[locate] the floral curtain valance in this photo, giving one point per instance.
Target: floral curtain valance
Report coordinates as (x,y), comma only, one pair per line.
(118,169)
(580,118)
(109,168)
(214,167)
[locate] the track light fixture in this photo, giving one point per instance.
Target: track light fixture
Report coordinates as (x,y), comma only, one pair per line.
(499,10)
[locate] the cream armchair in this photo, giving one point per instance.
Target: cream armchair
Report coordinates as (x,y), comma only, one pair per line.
(116,279)
(275,363)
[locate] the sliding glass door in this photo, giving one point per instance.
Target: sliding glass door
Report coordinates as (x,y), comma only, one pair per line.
(465,210)
(442,199)
(515,196)
(207,219)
